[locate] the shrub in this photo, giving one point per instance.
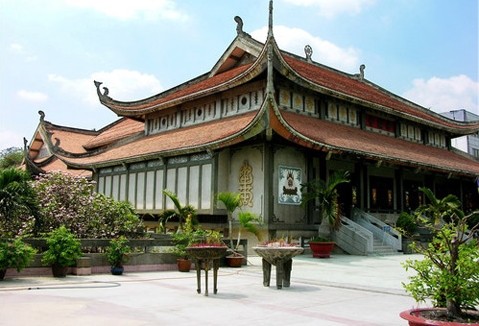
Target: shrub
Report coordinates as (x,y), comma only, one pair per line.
(15,254)
(63,248)
(72,202)
(407,224)
(117,251)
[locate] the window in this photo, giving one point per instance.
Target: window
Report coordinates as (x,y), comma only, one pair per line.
(342,113)
(379,124)
(410,132)
(436,139)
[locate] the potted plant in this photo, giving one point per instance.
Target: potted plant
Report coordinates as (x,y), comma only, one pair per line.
(206,244)
(117,254)
(182,240)
(231,201)
(321,247)
(15,254)
(182,237)
(448,274)
(324,196)
(63,251)
(247,221)
(407,225)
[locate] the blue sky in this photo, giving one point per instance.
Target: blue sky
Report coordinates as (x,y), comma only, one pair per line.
(52,50)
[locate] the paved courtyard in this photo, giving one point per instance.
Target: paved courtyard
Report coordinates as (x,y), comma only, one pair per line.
(342,290)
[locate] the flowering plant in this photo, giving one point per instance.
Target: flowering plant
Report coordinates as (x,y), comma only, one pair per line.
(278,243)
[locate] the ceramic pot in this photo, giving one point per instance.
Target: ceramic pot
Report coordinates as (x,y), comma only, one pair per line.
(59,270)
(117,270)
(321,249)
(413,316)
(184,265)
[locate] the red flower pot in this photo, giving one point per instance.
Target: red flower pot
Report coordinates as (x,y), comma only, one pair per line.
(321,249)
(415,318)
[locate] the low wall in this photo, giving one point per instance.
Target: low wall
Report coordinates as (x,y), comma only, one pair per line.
(95,263)
(150,255)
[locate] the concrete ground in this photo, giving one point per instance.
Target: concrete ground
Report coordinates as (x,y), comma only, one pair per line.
(341,290)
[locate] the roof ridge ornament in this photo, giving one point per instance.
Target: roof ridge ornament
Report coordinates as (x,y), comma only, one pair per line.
(270,19)
(239,25)
(42,115)
(105,90)
(361,71)
(308,50)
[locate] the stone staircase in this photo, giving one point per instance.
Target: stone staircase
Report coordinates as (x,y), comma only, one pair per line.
(381,249)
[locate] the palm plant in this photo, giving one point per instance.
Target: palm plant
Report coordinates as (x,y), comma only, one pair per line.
(325,197)
(249,222)
(437,211)
(183,212)
(232,201)
(18,205)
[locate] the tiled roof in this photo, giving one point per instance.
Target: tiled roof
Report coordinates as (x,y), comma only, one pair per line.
(57,165)
(180,92)
(206,134)
(374,145)
(339,82)
(70,139)
(116,131)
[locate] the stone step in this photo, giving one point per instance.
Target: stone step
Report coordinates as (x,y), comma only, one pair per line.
(381,249)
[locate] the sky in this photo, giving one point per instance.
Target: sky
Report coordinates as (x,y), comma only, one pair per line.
(52,50)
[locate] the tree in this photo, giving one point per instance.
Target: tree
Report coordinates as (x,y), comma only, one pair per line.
(71,201)
(449,272)
(11,157)
(18,205)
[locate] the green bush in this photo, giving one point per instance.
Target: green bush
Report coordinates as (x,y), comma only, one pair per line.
(117,252)
(407,224)
(15,254)
(63,248)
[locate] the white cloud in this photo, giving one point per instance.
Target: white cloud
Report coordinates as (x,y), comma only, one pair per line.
(445,94)
(133,9)
(331,8)
(9,139)
(294,40)
(16,47)
(123,84)
(32,96)
(19,49)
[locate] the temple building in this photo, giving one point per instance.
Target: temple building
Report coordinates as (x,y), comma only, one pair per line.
(262,122)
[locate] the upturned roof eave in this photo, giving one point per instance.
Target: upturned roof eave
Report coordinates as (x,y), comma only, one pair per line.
(282,128)
(453,127)
(254,127)
(127,109)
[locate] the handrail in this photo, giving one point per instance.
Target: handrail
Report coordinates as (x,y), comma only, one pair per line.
(381,230)
(353,238)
